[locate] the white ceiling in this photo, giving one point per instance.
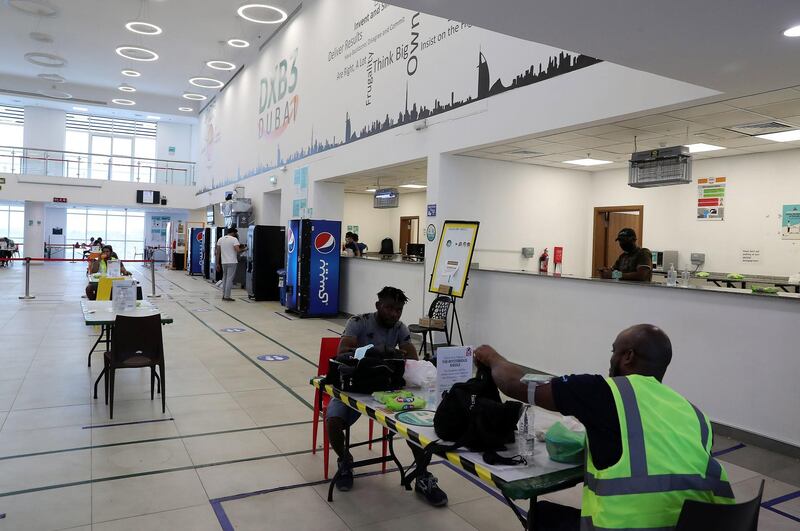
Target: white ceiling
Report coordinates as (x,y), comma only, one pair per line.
(415,172)
(87,32)
(733,46)
(708,124)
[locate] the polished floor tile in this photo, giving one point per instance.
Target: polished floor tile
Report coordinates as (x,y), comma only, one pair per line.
(198,518)
(298,509)
(248,476)
(229,446)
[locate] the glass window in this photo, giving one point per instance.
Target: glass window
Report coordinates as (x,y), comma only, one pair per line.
(77,164)
(135,229)
(115,227)
(16,226)
(118,246)
(101,148)
(11,135)
(3,222)
(96,225)
(122,149)
(76,227)
(132,248)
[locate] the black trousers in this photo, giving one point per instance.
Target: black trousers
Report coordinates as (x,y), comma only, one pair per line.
(554,517)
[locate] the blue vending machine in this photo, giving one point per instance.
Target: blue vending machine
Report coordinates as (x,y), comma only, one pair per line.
(312,267)
(196,251)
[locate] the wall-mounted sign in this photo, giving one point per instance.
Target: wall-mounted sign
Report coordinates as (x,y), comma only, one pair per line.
(430,232)
(2,180)
(711,198)
(751,256)
(59,200)
(790,223)
(432,210)
(171,151)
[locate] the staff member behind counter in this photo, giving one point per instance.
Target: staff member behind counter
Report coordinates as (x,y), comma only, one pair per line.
(635,263)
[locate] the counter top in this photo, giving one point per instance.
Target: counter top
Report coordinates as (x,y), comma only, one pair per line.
(693,289)
(390,258)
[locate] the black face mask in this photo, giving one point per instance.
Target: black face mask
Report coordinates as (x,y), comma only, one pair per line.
(627,246)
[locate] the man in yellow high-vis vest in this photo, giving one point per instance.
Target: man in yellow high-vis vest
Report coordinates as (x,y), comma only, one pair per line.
(649,449)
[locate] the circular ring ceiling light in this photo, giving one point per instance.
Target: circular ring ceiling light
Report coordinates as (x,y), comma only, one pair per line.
(34,7)
(794,31)
(53,93)
(55,78)
(185,109)
(45,59)
(130,73)
(206,82)
(250,12)
(220,65)
(143,28)
(126,88)
(122,101)
(238,43)
(40,37)
(193,96)
(136,53)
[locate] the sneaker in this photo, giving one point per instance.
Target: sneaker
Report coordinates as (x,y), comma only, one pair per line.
(228,299)
(427,485)
(345,480)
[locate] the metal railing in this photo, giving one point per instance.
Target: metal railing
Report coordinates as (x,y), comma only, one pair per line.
(54,163)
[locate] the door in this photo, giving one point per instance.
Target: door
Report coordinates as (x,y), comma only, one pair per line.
(409,232)
(608,221)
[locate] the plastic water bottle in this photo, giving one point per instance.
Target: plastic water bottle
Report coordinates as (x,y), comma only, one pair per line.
(686,277)
(672,276)
(525,435)
(429,394)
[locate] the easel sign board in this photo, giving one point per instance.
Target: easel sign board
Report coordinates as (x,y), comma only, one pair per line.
(454,256)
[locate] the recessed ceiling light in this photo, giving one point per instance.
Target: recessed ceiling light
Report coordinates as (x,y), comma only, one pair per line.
(130,73)
(268,14)
(122,101)
(55,78)
(238,43)
(80,109)
(126,88)
(45,59)
(206,82)
(143,28)
(193,96)
(150,117)
(136,53)
(700,148)
(413,186)
(794,31)
(185,109)
(40,37)
(783,136)
(220,65)
(34,7)
(371,190)
(587,162)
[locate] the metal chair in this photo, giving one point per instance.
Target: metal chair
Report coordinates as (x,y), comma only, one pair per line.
(135,343)
(439,309)
(701,516)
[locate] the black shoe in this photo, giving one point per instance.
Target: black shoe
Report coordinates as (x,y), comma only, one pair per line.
(427,485)
(345,480)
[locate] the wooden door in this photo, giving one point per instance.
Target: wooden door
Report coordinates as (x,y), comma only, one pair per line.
(409,232)
(607,223)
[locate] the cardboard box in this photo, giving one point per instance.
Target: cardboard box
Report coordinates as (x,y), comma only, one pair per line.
(427,322)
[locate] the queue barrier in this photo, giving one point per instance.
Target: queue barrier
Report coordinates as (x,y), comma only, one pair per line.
(29,259)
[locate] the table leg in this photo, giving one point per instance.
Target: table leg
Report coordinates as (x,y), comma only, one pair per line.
(99,338)
(397,461)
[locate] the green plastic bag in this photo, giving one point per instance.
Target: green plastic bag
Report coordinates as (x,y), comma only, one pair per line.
(565,445)
(399,400)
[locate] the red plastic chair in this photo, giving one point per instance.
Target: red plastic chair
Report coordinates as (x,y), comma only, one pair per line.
(328,348)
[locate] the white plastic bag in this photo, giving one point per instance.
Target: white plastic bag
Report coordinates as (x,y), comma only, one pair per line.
(417,372)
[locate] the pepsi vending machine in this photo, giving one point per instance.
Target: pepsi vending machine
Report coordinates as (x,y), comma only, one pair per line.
(196,248)
(312,267)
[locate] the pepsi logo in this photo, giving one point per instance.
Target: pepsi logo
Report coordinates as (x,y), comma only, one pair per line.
(325,242)
(199,236)
(290,242)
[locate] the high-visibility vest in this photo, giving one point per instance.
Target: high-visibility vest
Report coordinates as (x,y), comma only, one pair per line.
(666,459)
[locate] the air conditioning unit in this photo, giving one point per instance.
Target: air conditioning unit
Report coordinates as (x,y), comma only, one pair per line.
(660,167)
(386,198)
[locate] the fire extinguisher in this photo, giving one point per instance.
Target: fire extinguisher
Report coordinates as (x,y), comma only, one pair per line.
(544,260)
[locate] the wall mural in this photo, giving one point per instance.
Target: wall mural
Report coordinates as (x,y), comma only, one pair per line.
(368,68)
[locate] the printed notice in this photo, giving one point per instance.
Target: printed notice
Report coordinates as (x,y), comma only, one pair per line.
(751,256)
(453,365)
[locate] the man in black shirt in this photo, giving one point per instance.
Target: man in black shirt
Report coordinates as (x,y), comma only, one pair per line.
(635,263)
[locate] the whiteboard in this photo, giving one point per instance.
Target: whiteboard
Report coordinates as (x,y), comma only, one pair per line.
(454,256)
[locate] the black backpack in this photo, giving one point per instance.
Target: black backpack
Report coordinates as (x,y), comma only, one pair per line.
(378,370)
(472,415)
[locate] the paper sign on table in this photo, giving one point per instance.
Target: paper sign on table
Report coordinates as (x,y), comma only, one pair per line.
(123,295)
(453,365)
(113,268)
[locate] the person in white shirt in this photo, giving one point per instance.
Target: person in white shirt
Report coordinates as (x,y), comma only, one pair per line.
(227,254)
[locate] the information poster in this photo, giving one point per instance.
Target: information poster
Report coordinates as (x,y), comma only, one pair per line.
(454,255)
(453,365)
(711,198)
(123,295)
(790,224)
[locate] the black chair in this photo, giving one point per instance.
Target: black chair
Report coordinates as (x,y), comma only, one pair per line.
(701,516)
(135,343)
(387,246)
(440,309)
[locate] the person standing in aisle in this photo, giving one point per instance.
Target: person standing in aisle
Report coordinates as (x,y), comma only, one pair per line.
(227,258)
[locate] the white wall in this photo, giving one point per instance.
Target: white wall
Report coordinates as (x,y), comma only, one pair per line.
(518,205)
(375,224)
(45,128)
(758,186)
(178,136)
(57,217)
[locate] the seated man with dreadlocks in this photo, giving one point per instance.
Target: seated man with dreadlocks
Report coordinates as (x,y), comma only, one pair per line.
(381,328)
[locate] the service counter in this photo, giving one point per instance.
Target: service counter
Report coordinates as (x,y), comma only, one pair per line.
(363,277)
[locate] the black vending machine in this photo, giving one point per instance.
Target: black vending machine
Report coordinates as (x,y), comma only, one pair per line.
(208,252)
(266,253)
